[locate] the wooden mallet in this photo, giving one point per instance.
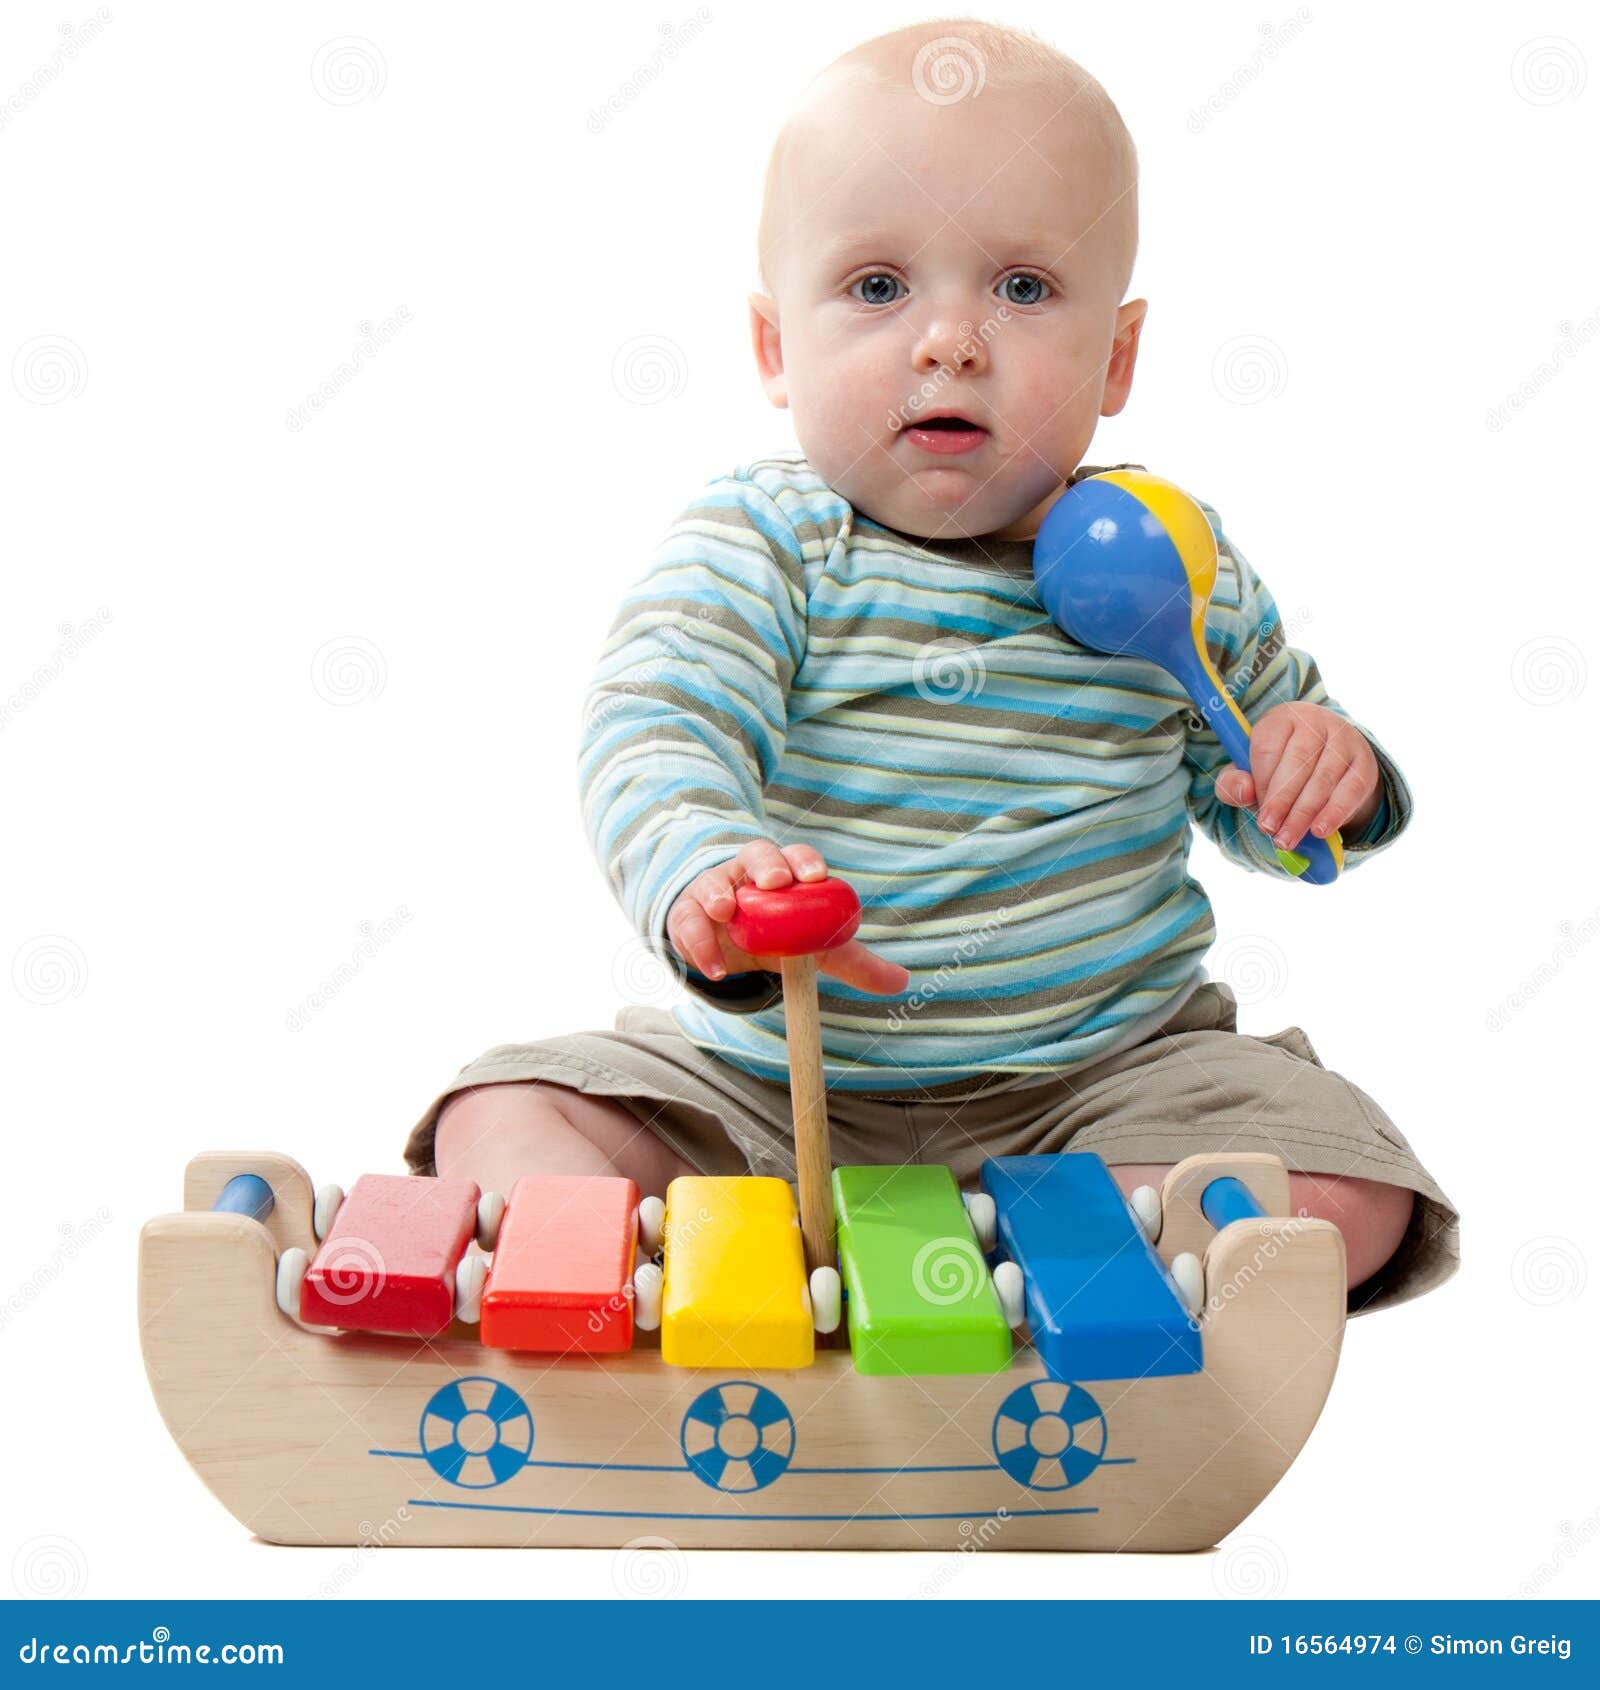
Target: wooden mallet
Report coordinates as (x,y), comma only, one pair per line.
(793,923)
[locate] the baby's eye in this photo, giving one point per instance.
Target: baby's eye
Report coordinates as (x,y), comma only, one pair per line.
(877,289)
(1024,289)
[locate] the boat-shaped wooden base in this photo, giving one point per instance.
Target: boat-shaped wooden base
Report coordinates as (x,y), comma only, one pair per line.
(317,1438)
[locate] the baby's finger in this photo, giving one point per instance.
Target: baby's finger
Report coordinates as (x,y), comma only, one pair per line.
(1267,741)
(806,862)
(1290,775)
(764,864)
(856,966)
(1346,798)
(713,888)
(1319,788)
(1236,786)
(694,937)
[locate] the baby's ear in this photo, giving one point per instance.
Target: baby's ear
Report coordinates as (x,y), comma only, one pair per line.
(767,344)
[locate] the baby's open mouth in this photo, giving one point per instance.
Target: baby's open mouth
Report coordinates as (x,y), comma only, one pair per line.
(946,435)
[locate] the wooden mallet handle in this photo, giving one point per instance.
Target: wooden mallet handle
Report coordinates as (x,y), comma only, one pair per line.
(793,923)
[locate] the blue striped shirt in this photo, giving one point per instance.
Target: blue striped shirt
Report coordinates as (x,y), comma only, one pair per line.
(1014,810)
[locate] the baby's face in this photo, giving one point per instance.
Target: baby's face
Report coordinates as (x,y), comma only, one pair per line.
(964,258)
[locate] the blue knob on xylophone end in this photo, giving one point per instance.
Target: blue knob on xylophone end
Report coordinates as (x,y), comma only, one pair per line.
(1126,564)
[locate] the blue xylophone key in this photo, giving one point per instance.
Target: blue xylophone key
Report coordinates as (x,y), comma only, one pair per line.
(1101,1304)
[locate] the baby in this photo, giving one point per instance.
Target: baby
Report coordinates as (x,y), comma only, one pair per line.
(838,663)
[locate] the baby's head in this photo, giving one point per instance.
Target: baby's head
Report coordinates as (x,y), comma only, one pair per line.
(949,227)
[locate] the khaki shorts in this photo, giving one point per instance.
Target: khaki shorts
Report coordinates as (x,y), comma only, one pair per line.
(1195,1084)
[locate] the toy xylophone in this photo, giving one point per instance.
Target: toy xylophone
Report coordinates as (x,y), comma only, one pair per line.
(1041,1364)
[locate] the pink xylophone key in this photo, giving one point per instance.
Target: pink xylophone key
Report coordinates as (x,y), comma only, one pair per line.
(389,1262)
(562,1277)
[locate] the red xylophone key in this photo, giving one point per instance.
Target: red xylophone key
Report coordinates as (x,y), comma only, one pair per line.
(562,1276)
(389,1262)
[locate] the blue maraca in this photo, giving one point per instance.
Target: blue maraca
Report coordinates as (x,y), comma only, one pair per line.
(1125,563)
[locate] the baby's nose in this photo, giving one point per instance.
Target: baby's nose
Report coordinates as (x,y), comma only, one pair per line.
(951,343)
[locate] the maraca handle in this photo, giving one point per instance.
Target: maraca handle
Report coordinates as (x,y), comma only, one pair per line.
(1316,861)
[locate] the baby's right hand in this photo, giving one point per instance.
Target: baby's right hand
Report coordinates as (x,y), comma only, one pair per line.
(697,923)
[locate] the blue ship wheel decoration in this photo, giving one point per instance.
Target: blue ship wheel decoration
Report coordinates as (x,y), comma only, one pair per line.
(476,1433)
(1049,1435)
(738,1436)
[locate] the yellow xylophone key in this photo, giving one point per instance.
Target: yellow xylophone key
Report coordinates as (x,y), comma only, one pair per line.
(734,1292)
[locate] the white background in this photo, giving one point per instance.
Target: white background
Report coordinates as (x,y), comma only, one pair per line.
(319,677)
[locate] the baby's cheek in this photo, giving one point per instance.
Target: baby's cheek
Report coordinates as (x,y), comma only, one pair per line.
(850,408)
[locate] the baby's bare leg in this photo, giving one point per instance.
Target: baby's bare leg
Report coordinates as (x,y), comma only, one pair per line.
(1372,1216)
(494,1133)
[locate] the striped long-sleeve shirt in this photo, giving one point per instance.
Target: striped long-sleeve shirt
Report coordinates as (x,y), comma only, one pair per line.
(1013,809)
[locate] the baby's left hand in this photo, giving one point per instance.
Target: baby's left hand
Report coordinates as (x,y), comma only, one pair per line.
(1313,769)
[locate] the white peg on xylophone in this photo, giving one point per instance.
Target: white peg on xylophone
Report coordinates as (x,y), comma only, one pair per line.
(981,1213)
(328,1199)
(651,1212)
(1190,1277)
(1008,1286)
(292,1265)
(491,1211)
(647,1297)
(471,1271)
(827,1299)
(1145,1201)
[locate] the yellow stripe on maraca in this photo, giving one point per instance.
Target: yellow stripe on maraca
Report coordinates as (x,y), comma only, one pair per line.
(1186,526)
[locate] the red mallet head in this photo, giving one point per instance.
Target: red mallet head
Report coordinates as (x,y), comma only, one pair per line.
(795,920)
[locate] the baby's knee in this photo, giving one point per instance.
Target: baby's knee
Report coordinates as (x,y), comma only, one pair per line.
(475,1110)
(1372,1216)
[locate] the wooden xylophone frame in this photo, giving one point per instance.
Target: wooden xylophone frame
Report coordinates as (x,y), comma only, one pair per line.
(308,1437)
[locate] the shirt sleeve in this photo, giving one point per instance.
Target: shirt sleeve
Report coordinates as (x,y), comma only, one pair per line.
(1246,639)
(687,715)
